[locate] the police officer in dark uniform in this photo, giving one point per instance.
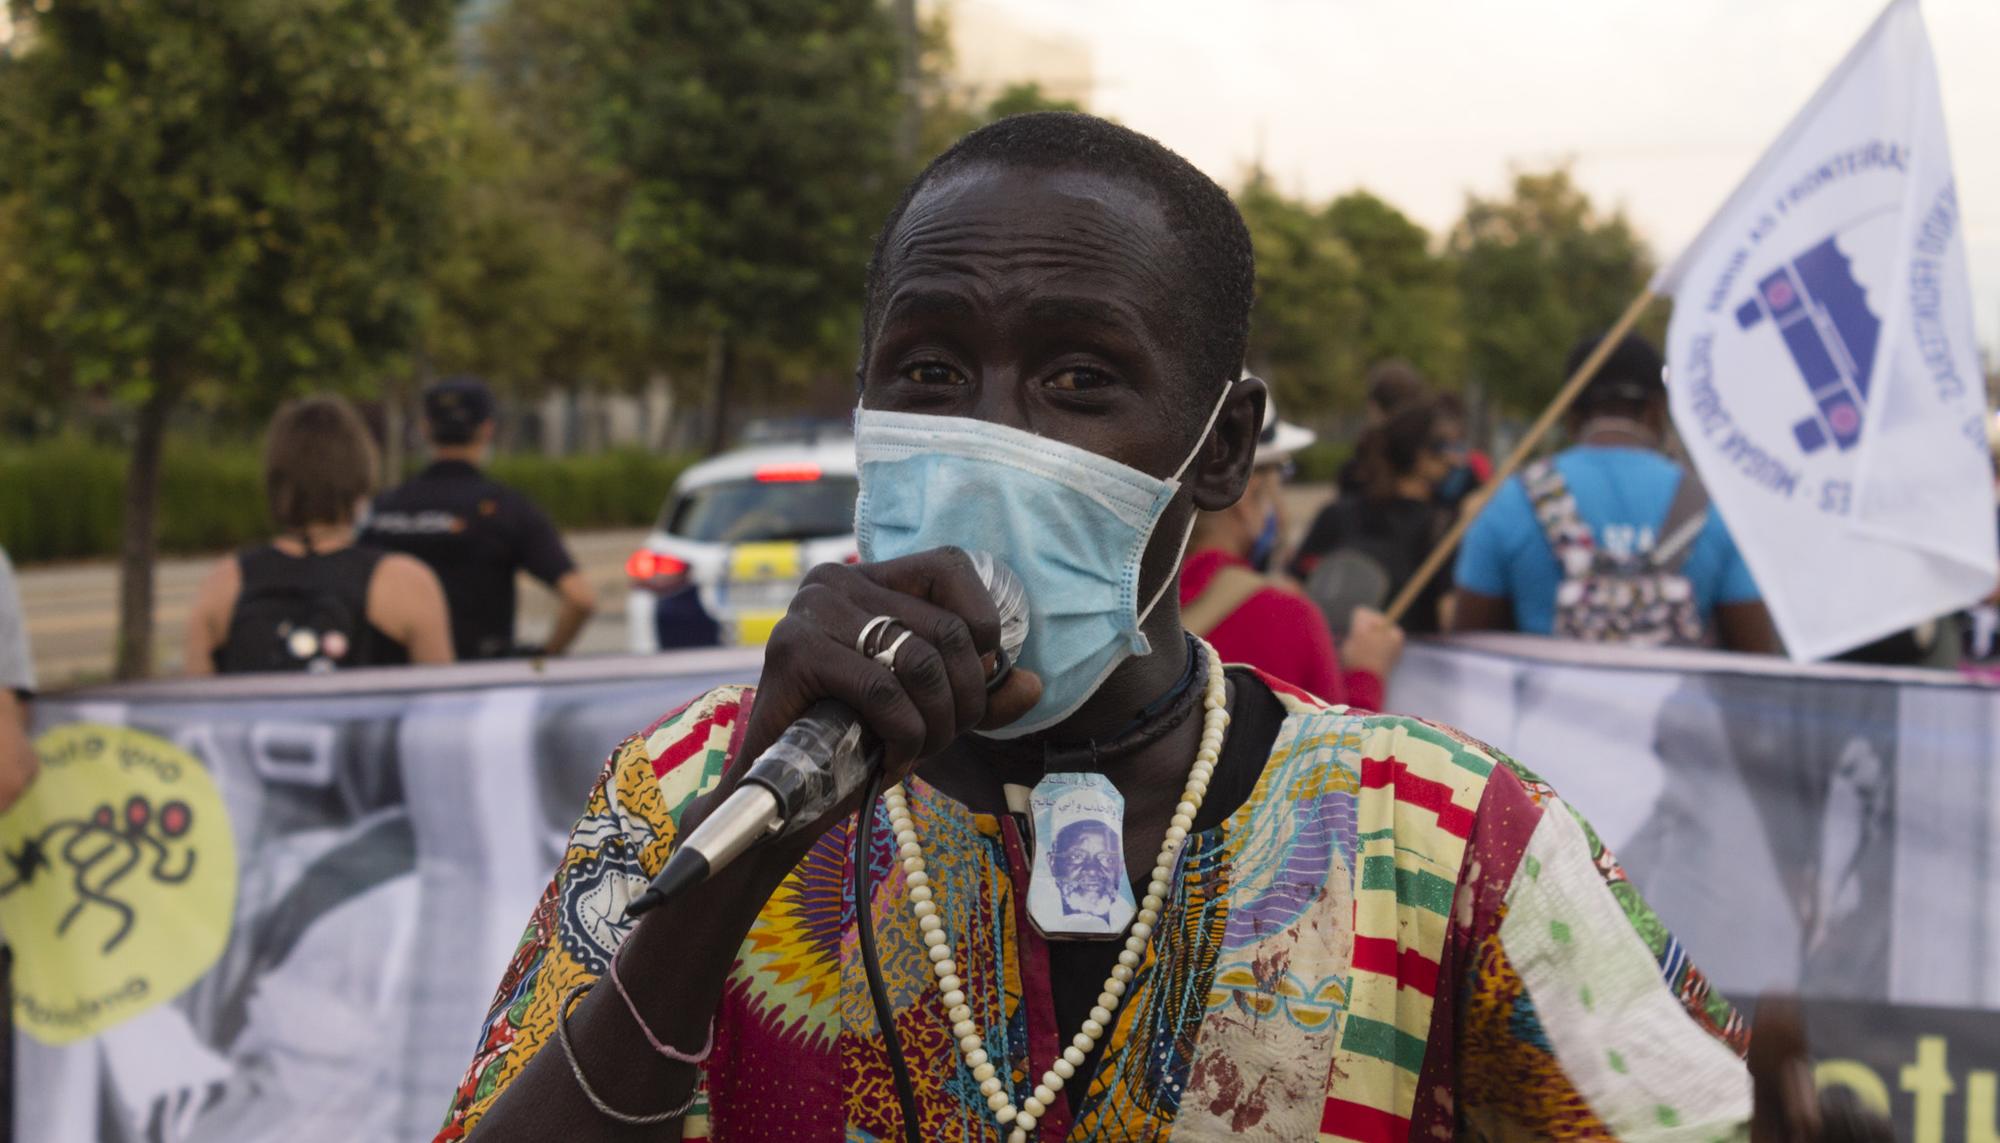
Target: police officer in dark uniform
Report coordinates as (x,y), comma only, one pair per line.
(475,532)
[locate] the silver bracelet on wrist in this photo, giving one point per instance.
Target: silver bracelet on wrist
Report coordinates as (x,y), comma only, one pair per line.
(575,1069)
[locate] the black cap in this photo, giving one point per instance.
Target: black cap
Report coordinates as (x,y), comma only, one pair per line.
(1633,372)
(456,407)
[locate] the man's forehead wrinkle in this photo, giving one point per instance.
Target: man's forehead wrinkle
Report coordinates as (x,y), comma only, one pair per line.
(965,216)
(1000,238)
(1012,264)
(1004,240)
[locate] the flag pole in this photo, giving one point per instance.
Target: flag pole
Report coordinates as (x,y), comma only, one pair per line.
(1477,502)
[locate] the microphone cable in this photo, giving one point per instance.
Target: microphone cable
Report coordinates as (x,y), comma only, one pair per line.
(871,960)
(864,925)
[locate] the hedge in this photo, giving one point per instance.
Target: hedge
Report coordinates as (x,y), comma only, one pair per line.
(625,488)
(62,499)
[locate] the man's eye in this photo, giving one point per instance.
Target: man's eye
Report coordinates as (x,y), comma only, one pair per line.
(933,373)
(1072,380)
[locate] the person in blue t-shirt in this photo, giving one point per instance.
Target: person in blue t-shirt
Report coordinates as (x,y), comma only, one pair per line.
(1624,487)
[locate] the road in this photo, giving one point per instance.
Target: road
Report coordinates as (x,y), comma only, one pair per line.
(73,607)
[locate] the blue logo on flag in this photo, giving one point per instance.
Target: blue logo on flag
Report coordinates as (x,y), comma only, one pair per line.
(1822,313)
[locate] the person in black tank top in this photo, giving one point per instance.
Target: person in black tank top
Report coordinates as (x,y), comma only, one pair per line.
(302,601)
(305,613)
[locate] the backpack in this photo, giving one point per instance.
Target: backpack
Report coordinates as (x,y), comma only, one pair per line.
(1643,598)
(1367,568)
(300,614)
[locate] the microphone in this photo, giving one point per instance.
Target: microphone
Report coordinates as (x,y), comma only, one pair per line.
(818,761)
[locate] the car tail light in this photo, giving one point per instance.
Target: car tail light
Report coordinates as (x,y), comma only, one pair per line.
(650,567)
(787,474)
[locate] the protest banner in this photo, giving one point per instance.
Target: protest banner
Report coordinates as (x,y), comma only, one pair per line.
(390,831)
(1821,364)
(1828,830)
(328,874)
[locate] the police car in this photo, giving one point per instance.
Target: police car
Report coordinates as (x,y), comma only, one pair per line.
(737,533)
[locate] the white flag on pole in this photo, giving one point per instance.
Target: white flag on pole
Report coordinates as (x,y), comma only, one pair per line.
(1821,364)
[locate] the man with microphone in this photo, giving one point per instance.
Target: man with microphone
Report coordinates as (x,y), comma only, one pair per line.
(1334,925)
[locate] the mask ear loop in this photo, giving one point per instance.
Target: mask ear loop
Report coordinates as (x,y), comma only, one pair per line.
(1214,415)
(1180,553)
(1187,533)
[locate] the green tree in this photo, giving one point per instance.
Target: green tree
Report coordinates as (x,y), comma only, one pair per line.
(742,155)
(1536,271)
(1409,291)
(1306,330)
(34,375)
(528,290)
(239,194)
(1022,98)
(759,143)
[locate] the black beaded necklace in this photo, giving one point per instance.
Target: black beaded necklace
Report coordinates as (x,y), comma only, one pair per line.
(1153,722)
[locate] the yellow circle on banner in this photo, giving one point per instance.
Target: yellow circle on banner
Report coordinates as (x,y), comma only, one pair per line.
(119,880)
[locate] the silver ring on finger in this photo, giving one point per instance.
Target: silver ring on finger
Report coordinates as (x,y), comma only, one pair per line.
(868,630)
(887,655)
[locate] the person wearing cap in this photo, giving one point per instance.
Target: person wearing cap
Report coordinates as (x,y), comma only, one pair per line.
(1229,597)
(477,533)
(1621,485)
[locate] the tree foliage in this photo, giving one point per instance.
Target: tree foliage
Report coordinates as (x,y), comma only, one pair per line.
(1409,294)
(1022,98)
(528,291)
(743,152)
(1306,329)
(241,192)
(1537,270)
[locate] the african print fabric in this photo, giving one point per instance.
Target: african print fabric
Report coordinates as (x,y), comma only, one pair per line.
(1400,934)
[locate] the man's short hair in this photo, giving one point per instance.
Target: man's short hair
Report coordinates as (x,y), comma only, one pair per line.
(1632,377)
(1219,275)
(455,407)
(1395,384)
(319,462)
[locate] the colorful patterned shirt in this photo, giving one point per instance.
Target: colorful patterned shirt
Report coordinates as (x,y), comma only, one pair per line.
(1400,934)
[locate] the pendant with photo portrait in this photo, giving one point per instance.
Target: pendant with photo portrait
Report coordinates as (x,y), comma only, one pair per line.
(1078,888)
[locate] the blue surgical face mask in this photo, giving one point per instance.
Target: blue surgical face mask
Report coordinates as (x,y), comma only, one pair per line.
(1072,524)
(1266,542)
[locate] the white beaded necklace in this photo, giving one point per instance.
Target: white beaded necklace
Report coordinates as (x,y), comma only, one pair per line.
(971,1039)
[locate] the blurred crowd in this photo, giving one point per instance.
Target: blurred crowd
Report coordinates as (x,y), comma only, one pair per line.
(1610,539)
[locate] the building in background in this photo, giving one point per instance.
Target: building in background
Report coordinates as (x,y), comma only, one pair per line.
(993,48)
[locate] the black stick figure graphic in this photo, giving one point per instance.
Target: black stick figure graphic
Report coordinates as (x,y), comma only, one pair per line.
(101,851)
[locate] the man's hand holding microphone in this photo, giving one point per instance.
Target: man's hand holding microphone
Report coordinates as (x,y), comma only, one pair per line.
(946,631)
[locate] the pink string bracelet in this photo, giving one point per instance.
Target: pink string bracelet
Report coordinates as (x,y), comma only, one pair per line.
(663,1049)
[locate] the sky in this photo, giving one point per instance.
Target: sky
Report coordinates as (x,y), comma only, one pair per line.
(1660,105)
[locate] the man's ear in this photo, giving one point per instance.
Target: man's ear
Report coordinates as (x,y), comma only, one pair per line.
(1220,471)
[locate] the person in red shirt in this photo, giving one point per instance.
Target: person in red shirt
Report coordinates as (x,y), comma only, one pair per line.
(1262,620)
